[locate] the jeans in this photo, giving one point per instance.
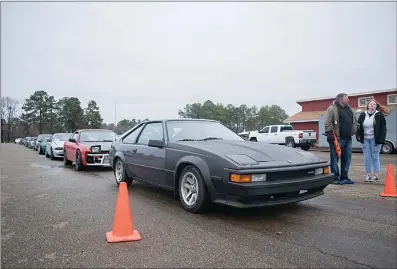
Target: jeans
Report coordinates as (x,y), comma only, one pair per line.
(346,157)
(371,155)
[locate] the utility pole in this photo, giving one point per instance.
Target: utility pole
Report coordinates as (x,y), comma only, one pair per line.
(51,117)
(115,111)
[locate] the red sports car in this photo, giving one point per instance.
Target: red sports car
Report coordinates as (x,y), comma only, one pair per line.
(88,147)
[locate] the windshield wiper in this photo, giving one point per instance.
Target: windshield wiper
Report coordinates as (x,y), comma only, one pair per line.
(211,138)
(107,140)
(187,139)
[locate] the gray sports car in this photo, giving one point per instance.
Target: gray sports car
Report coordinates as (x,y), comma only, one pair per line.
(202,161)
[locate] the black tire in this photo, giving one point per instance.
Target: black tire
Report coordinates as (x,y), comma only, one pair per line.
(65,159)
(305,147)
(203,200)
(52,155)
(78,163)
(387,148)
(290,143)
(40,151)
(119,164)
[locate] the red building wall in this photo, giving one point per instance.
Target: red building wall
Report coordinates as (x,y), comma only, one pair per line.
(319,105)
(306,126)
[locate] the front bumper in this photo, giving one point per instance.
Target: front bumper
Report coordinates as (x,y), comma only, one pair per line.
(248,195)
(57,153)
(93,159)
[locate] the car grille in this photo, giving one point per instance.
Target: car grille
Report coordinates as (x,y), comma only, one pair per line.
(105,152)
(276,176)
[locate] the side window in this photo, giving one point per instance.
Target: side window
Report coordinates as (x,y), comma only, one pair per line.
(48,139)
(75,135)
(152,131)
(274,129)
(265,130)
(131,138)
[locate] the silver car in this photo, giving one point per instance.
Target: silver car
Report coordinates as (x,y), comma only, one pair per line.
(54,145)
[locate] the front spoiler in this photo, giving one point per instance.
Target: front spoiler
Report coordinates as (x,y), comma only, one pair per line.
(98,160)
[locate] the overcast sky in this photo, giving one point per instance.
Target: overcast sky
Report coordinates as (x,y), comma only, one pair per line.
(153,58)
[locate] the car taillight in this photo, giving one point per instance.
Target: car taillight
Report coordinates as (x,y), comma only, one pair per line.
(300,135)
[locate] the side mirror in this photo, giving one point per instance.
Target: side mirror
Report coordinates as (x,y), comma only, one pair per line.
(156,143)
(72,140)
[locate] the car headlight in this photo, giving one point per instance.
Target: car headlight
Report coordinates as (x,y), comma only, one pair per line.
(247,178)
(95,149)
(322,170)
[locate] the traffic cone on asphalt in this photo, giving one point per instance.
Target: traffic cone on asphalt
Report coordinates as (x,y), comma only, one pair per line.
(123,228)
(390,189)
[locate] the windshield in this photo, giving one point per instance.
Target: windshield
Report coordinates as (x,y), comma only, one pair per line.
(199,130)
(97,136)
(61,137)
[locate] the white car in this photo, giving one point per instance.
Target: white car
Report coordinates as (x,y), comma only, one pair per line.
(54,145)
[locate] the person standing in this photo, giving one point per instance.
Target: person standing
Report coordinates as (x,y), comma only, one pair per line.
(340,123)
(371,133)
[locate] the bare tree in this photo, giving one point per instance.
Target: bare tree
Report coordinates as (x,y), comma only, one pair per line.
(9,108)
(3,108)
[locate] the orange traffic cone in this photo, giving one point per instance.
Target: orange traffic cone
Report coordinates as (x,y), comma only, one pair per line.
(390,189)
(123,228)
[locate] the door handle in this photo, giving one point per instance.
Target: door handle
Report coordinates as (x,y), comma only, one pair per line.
(134,150)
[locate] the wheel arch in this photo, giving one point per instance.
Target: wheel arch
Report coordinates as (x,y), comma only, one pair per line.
(120,156)
(201,166)
(392,145)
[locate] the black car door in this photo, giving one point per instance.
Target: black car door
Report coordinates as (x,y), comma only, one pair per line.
(128,147)
(150,161)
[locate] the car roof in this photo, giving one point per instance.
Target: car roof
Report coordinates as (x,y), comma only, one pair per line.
(94,130)
(63,133)
(179,119)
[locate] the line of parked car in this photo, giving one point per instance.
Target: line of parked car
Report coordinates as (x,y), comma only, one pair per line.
(50,145)
(200,161)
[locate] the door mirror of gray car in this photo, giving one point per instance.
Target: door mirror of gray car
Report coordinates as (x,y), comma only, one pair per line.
(72,140)
(156,143)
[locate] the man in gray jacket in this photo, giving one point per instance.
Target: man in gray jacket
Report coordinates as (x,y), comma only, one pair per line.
(341,120)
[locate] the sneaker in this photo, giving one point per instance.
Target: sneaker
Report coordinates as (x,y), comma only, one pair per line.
(347,181)
(337,181)
(374,178)
(368,178)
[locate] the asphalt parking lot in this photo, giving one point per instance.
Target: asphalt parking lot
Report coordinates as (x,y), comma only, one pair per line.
(53,216)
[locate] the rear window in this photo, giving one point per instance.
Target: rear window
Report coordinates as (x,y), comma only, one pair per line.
(286,128)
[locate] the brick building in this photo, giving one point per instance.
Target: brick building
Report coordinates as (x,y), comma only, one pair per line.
(307,119)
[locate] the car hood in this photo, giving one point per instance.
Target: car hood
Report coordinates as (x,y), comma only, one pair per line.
(254,153)
(105,146)
(58,143)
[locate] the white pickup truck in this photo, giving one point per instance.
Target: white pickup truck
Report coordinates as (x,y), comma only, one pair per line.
(284,135)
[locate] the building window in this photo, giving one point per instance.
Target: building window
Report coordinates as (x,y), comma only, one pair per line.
(363,101)
(392,99)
